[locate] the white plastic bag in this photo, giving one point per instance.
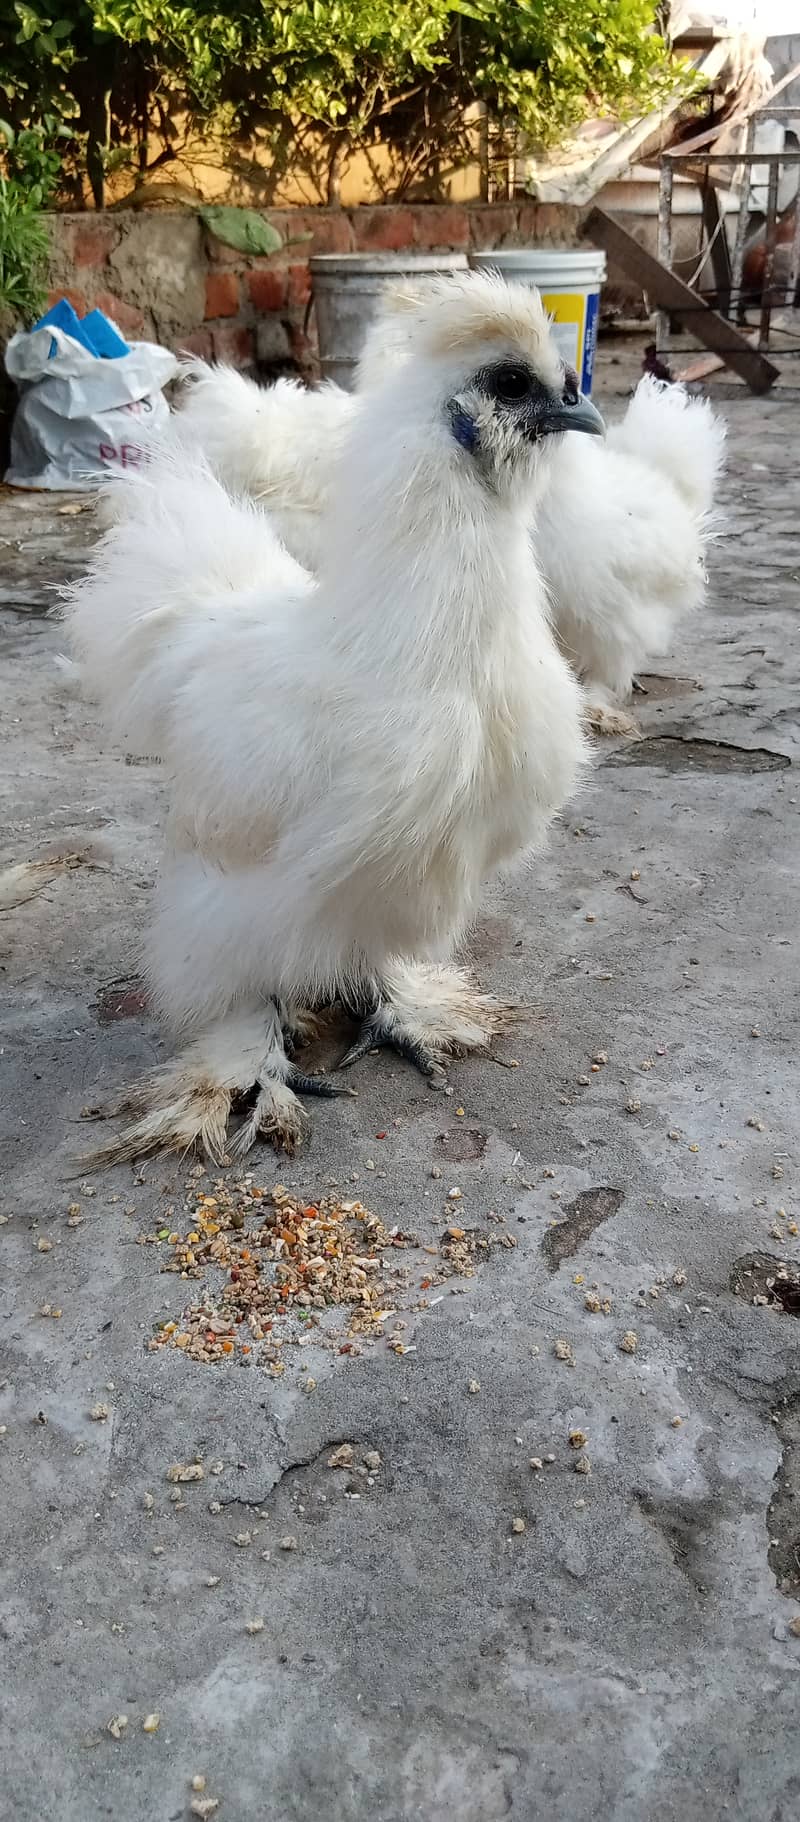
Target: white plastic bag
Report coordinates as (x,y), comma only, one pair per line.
(80,418)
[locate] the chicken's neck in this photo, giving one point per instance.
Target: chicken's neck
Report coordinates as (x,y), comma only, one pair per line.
(432,581)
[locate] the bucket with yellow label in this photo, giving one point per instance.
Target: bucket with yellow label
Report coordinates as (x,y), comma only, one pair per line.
(570,285)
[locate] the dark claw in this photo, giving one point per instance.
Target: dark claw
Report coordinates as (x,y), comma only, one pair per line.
(314,1084)
(377,1035)
(418,1055)
(370,1037)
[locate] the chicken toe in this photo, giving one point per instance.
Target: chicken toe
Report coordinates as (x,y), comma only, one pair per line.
(427,1013)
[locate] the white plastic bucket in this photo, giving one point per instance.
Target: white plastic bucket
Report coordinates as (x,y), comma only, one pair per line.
(347,289)
(570,286)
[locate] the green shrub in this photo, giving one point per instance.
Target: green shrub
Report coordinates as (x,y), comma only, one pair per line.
(23,250)
(101,77)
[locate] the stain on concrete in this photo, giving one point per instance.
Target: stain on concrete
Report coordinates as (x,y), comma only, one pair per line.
(660,689)
(124,999)
(589,1210)
(763,1279)
(461,1145)
(674,753)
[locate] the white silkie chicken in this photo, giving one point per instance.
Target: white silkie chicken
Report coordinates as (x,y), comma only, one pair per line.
(621,530)
(349,759)
(622,540)
(279,445)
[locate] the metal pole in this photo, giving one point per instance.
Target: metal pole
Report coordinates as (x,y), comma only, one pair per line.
(741,223)
(767,299)
(794,260)
(664,247)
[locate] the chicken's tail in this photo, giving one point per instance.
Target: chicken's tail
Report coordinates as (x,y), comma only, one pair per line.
(268,441)
(179,557)
(229,418)
(679,436)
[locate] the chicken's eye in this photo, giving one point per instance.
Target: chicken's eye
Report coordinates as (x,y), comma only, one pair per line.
(511,384)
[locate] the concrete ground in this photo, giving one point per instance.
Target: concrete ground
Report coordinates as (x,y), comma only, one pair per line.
(634,1651)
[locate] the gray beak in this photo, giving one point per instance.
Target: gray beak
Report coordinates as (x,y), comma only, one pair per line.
(571,413)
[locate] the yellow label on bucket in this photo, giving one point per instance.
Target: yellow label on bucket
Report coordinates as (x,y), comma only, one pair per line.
(568,311)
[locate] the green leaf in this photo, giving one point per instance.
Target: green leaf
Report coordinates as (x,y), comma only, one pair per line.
(240,228)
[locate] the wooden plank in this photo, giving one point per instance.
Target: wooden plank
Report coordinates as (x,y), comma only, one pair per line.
(735,119)
(704,365)
(669,292)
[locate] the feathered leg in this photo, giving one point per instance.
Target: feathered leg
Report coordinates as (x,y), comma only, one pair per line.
(428,1013)
(605,716)
(190,1100)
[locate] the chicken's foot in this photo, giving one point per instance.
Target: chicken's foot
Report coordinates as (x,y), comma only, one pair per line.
(427,1013)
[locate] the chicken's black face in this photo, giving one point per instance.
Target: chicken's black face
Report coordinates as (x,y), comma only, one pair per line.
(506,404)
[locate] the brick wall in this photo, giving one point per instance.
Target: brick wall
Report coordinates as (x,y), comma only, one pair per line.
(159,275)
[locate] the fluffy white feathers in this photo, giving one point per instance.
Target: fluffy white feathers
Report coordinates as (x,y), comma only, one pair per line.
(278,444)
(346,760)
(620,537)
(623,530)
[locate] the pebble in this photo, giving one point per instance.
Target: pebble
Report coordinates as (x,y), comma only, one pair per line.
(518,1525)
(629,1342)
(474,1386)
(151,1723)
(341,1457)
(117,1725)
(254,1626)
(372,1460)
(288,1543)
(99,1413)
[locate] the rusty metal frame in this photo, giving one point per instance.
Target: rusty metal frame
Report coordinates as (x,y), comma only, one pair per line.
(700,165)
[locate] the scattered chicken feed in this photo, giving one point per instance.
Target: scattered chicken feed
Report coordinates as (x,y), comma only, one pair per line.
(277,1272)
